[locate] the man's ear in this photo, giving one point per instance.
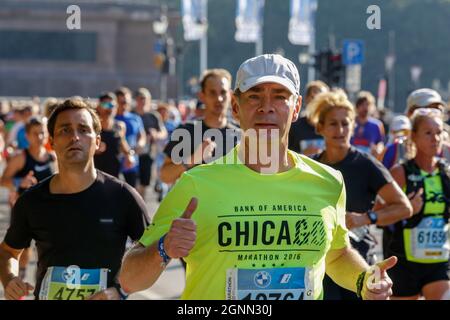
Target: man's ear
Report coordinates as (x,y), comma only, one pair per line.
(235,107)
(98,141)
(50,140)
(297,108)
(201,96)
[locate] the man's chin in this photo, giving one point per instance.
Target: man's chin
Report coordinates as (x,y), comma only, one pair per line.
(77,159)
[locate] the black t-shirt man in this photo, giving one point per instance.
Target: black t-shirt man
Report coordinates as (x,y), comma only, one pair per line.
(109,160)
(229,135)
(88,229)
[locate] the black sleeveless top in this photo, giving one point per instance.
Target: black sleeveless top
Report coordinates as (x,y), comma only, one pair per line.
(41,169)
(109,160)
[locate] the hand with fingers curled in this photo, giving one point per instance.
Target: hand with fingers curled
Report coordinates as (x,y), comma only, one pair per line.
(107,294)
(416,200)
(28,181)
(16,289)
(376,284)
(181,237)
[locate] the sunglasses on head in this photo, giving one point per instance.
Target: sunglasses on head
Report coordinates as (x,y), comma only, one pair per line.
(428,111)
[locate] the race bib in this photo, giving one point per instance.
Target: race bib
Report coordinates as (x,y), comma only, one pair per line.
(429,240)
(312,143)
(364,149)
(269,284)
(72,283)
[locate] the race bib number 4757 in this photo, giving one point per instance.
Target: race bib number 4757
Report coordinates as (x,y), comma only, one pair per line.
(72,283)
(269,284)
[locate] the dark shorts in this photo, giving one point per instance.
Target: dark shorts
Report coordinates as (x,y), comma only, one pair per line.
(130,178)
(145,169)
(410,277)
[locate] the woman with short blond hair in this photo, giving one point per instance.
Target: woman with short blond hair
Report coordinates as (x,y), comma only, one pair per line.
(364,176)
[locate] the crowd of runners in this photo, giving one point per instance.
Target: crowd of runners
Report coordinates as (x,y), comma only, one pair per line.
(265,192)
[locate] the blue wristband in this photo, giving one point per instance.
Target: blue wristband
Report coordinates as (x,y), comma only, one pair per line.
(162,251)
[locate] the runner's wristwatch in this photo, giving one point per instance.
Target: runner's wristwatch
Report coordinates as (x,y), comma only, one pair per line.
(373,216)
(123,295)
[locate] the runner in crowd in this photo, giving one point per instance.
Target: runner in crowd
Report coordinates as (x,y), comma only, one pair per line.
(421,242)
(369,132)
(249,220)
(26,168)
(431,99)
(200,136)
(303,137)
(80,218)
(171,122)
(365,178)
(114,149)
(135,134)
(155,131)
(16,136)
(424,98)
(396,150)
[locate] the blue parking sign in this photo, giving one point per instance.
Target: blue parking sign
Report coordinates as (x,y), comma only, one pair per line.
(353,52)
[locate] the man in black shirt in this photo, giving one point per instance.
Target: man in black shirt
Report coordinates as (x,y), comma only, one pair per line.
(155,130)
(80,218)
(206,139)
(114,147)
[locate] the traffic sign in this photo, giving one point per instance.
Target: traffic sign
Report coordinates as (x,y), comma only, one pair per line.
(353,78)
(353,52)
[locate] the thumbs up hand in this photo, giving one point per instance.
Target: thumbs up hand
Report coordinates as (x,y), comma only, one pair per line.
(182,234)
(377,284)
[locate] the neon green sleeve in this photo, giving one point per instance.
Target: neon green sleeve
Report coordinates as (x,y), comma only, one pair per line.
(340,234)
(172,207)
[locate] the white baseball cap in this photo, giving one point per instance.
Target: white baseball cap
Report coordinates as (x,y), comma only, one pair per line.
(423,97)
(268,68)
(400,123)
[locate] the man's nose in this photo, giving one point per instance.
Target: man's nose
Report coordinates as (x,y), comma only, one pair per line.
(75,135)
(266,105)
(437,137)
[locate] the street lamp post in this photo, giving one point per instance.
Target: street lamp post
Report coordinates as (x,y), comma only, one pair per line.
(160,28)
(416,72)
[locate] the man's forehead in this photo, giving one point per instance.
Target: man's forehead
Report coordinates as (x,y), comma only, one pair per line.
(219,81)
(74,116)
(269,86)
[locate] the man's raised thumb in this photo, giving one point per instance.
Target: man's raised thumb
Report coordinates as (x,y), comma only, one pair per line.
(191,207)
(387,263)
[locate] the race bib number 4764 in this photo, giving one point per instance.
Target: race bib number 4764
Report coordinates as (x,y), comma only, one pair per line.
(72,283)
(269,284)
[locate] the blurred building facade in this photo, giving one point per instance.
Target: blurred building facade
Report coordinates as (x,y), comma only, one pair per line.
(40,56)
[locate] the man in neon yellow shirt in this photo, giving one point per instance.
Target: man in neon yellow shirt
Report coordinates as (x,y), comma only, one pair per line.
(263,222)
